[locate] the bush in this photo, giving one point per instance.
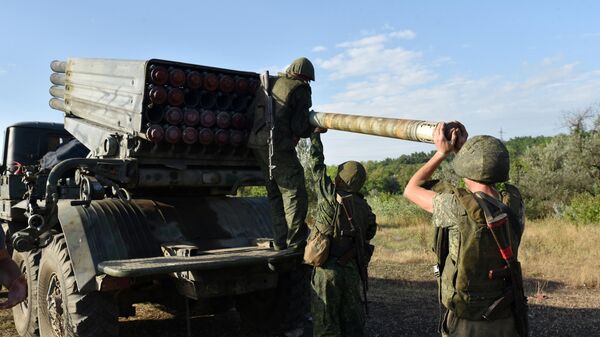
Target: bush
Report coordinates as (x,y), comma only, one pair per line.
(584,209)
(394,209)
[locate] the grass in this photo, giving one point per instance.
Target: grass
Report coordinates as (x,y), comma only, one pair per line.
(552,250)
(559,251)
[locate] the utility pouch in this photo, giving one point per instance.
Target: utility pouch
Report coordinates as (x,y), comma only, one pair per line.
(317,247)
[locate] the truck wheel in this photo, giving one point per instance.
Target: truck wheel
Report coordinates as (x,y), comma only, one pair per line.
(63,311)
(25,314)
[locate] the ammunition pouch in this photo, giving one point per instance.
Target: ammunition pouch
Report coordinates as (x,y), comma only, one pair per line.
(317,249)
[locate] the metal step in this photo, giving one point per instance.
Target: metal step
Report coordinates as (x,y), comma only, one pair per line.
(208,260)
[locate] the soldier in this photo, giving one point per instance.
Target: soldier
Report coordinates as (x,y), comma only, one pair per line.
(281,112)
(11,277)
(346,220)
(276,150)
(475,294)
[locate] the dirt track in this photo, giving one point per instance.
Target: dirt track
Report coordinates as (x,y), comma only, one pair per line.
(399,307)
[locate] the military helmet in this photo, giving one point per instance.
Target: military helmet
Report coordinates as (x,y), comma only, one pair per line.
(484,159)
(351,176)
(302,66)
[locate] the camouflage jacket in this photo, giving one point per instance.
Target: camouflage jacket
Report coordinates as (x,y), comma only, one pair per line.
(291,104)
(330,217)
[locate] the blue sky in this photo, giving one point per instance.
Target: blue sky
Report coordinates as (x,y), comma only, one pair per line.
(506,65)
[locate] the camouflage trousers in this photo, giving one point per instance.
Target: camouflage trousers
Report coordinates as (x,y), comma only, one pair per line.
(336,303)
(460,327)
(287,197)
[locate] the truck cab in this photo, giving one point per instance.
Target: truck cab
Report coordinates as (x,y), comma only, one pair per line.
(24,145)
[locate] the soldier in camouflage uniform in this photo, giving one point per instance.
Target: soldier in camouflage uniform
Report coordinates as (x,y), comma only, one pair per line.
(466,291)
(345,217)
(11,277)
(287,191)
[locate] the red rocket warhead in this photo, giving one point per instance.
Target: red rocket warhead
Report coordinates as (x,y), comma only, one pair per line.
(157,94)
(174,115)
(190,135)
(191,117)
(207,118)
(237,138)
(222,137)
(241,85)
(155,133)
(211,81)
(159,75)
(206,136)
(177,77)
(238,120)
(194,79)
(173,134)
(226,83)
(176,97)
(223,120)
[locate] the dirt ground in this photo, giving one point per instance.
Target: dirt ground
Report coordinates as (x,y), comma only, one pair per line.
(403,303)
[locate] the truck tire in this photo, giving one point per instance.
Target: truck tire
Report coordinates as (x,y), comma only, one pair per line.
(25,314)
(63,311)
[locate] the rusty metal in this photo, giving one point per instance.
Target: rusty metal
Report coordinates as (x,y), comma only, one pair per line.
(407,129)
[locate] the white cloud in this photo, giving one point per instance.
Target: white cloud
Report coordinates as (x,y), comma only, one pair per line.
(406,34)
(319,49)
(378,78)
(364,42)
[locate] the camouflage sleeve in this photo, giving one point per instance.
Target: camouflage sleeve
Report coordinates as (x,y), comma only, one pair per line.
(326,200)
(447,210)
(2,239)
(371,224)
(301,103)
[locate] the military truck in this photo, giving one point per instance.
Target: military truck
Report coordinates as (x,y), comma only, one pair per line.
(151,211)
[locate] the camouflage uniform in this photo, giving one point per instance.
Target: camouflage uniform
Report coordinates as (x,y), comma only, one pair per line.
(464,287)
(337,307)
(287,190)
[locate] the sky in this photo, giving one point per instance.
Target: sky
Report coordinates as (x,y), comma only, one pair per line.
(504,68)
